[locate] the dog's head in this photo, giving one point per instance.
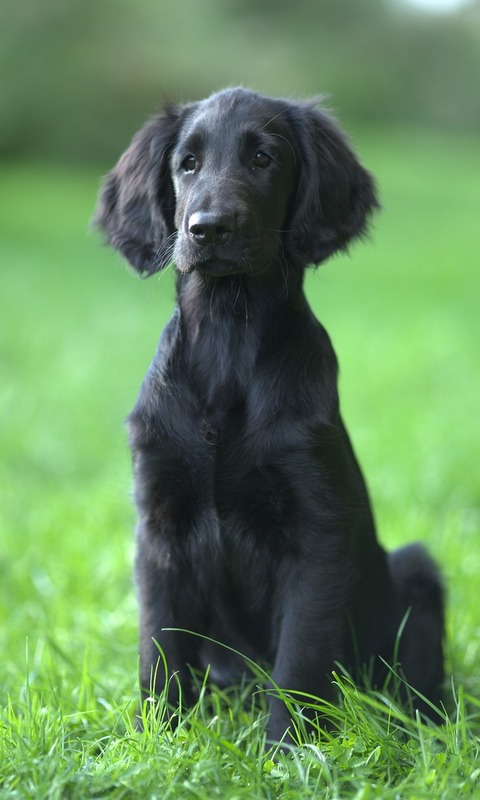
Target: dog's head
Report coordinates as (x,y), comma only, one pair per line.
(235,183)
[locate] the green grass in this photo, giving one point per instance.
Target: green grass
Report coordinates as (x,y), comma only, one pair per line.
(76,336)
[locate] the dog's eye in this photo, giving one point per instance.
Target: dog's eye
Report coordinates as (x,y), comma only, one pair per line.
(261,159)
(189,163)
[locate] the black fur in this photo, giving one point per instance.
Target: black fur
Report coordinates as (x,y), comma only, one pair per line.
(255,526)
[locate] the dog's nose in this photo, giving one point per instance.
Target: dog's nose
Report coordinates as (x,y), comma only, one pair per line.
(210,227)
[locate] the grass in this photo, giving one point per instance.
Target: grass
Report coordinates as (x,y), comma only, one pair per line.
(76,337)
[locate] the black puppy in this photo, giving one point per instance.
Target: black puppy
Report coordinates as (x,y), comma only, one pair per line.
(255,526)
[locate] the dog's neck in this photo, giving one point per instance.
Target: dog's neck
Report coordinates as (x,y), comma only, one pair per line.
(243,298)
(228,323)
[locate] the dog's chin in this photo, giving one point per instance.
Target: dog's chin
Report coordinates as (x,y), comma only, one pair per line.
(213,268)
(220,269)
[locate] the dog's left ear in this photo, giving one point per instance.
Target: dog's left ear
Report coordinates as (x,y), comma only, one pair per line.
(335,195)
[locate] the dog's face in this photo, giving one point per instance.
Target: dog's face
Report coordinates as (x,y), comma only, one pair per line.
(235,172)
(237,183)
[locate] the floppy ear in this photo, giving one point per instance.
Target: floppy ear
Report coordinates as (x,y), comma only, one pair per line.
(335,195)
(136,206)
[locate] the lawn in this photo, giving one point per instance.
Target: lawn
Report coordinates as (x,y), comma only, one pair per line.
(77,333)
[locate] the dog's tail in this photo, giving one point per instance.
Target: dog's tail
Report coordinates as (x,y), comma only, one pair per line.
(421,595)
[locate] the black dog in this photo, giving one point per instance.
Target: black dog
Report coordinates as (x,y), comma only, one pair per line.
(255,526)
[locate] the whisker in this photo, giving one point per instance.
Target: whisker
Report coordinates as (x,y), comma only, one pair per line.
(164,252)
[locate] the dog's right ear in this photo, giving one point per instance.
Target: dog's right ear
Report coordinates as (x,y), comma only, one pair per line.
(136,206)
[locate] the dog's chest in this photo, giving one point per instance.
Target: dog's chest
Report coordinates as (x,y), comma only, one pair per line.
(210,435)
(220,367)
(213,425)
(223,416)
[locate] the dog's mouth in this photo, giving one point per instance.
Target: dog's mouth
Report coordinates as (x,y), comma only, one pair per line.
(219,268)
(239,258)
(214,266)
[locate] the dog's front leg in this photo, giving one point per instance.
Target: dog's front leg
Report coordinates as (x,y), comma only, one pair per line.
(166,653)
(311,639)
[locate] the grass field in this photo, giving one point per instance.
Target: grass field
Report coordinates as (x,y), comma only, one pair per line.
(77,332)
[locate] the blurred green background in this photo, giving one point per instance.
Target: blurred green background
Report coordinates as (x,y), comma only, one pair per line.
(77,331)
